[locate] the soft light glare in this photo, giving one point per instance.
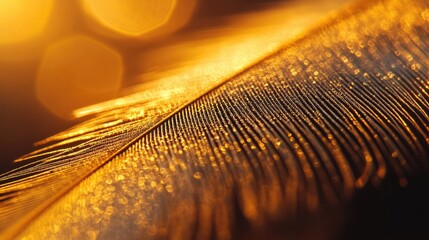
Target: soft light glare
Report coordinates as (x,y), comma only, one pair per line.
(210,57)
(130,17)
(22,19)
(76,72)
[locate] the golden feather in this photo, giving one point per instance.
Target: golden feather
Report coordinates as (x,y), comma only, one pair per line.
(288,138)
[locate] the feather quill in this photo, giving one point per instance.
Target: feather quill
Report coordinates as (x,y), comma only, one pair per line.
(302,129)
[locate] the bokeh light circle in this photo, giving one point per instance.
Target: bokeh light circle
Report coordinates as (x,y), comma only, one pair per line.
(76,72)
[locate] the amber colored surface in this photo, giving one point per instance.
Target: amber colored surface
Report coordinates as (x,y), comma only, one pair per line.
(217,148)
(295,135)
(153,102)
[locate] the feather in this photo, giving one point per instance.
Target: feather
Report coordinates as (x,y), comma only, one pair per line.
(52,169)
(289,137)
